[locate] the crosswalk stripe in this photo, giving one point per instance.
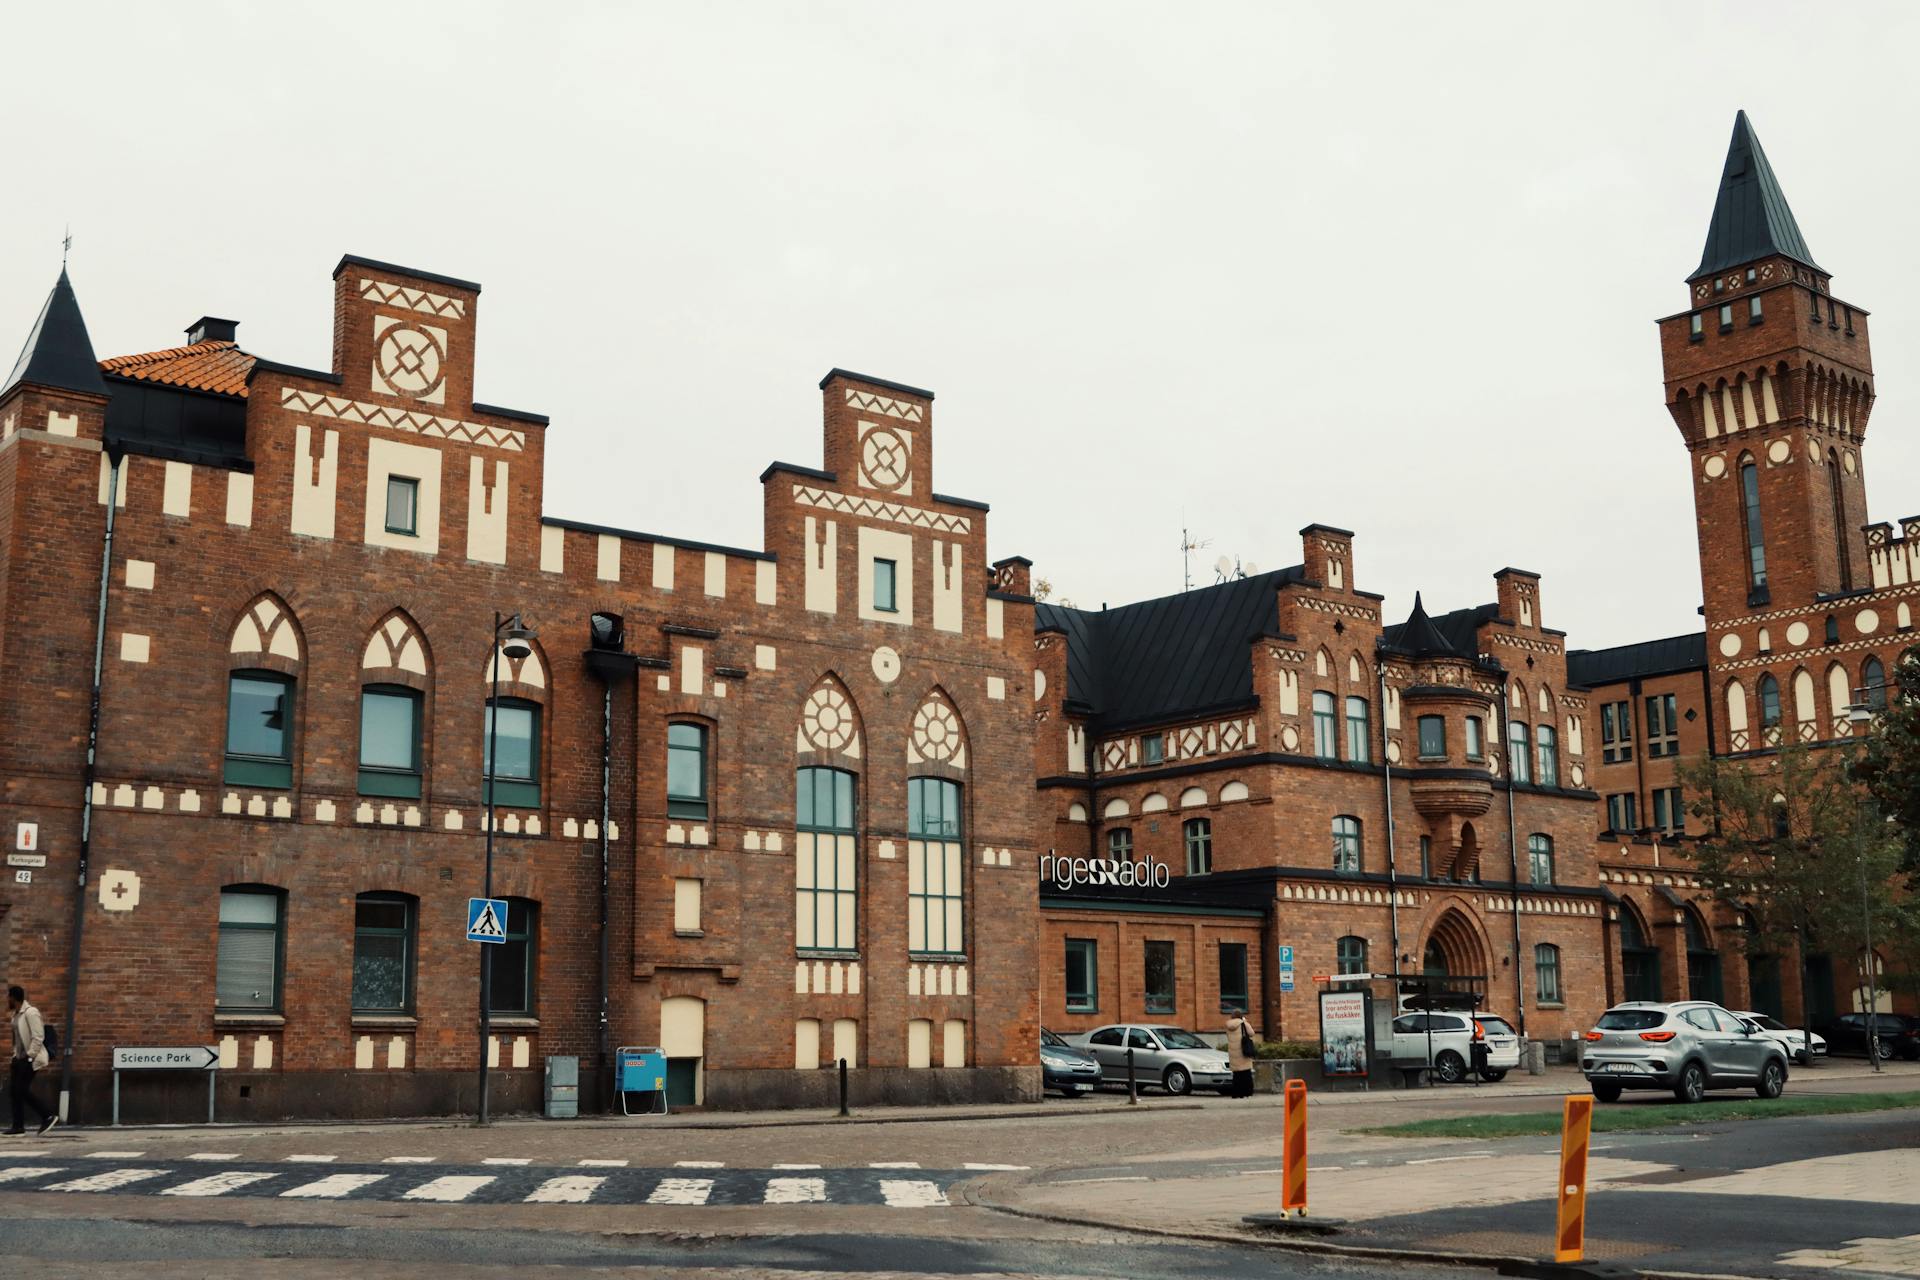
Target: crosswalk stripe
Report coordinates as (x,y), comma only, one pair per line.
(11,1154)
(682,1191)
(902,1193)
(796,1166)
(506,1160)
(603,1164)
(20,1173)
(796,1190)
(993,1168)
(218,1184)
(451,1187)
(408,1160)
(311,1159)
(699,1164)
(572,1189)
(333,1186)
(214,1155)
(897,1164)
(107,1181)
(111,1155)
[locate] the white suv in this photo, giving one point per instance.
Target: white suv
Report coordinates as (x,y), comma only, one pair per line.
(1445,1041)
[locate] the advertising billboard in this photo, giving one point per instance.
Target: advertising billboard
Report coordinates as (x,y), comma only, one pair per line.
(1346,1033)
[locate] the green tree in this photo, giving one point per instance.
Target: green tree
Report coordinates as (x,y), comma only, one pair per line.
(1890,765)
(1795,840)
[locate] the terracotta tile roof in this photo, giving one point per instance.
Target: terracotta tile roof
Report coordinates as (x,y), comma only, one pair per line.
(219,367)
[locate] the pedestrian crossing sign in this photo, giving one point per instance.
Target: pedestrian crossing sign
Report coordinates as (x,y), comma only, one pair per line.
(486,920)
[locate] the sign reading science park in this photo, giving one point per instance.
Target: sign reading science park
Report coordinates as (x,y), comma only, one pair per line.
(1070,873)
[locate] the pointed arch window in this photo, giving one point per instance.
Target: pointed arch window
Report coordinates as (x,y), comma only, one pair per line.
(259,729)
(1358,734)
(1326,741)
(1548,749)
(1842,544)
(1769,702)
(826,893)
(1750,523)
(935,867)
(390,741)
(1873,682)
(1519,751)
(1639,962)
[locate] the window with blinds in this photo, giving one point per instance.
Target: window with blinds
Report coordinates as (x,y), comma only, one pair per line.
(247,969)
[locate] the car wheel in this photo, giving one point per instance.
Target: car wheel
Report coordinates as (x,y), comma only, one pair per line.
(1177,1081)
(1803,1058)
(1493,1077)
(1450,1067)
(1773,1079)
(1886,1050)
(1693,1083)
(1606,1092)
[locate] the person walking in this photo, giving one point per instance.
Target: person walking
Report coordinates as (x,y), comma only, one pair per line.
(29,1056)
(1240,1050)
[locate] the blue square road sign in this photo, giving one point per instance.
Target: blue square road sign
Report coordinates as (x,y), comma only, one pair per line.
(486,920)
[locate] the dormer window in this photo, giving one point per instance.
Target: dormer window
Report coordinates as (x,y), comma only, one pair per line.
(1751,275)
(1153,748)
(1720,284)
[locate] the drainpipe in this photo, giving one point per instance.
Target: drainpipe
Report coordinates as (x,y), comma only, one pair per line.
(1393,883)
(611,667)
(1513,859)
(114,463)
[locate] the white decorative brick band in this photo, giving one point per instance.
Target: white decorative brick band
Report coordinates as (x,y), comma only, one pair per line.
(848,504)
(392,419)
(867,402)
(398,295)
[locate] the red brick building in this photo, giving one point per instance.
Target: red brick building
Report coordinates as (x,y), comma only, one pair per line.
(800,771)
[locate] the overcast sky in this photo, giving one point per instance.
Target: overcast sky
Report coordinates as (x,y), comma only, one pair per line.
(1392,268)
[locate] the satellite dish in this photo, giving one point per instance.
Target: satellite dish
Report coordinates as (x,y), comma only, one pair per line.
(1224,564)
(1252,569)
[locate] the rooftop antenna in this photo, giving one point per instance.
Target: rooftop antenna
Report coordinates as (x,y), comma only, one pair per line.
(1230,568)
(1188,545)
(66,246)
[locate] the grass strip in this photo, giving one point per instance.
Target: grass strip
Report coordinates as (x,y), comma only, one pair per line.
(1616,1118)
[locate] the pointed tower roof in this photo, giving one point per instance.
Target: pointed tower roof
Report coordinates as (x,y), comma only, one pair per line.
(58,353)
(1418,636)
(1751,218)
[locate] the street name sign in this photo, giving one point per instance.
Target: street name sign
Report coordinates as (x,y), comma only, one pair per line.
(192,1057)
(486,920)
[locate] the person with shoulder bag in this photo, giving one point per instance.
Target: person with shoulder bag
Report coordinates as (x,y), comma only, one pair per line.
(29,1055)
(1241,1047)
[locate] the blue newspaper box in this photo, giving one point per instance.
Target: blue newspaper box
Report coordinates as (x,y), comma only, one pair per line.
(642,1070)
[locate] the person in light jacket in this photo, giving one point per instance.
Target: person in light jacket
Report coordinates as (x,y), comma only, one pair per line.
(29,1056)
(1238,1030)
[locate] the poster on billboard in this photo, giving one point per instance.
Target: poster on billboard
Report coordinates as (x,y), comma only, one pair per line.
(1345,1029)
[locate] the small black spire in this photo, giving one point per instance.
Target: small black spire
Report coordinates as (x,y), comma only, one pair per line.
(1751,218)
(58,353)
(1417,637)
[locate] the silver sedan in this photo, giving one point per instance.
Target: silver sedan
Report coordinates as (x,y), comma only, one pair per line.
(1175,1059)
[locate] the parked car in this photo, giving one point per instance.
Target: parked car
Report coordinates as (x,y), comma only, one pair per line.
(1897,1033)
(1688,1046)
(1176,1060)
(1792,1039)
(1071,1071)
(1445,1042)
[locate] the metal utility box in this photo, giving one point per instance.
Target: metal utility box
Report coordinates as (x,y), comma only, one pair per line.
(641,1069)
(563,1088)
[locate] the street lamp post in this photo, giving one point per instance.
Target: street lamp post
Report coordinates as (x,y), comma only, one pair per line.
(510,637)
(1861,714)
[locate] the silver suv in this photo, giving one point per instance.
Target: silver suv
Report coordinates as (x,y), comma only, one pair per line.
(1689,1046)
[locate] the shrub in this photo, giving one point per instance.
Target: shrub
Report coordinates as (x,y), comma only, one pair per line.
(1287,1049)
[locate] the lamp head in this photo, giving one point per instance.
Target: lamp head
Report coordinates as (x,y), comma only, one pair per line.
(518,634)
(1860,712)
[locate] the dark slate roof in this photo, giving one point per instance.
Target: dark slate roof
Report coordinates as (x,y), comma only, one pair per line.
(1591,668)
(1166,659)
(58,353)
(1750,217)
(1455,634)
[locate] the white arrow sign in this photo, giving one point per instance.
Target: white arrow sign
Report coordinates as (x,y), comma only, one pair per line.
(193,1057)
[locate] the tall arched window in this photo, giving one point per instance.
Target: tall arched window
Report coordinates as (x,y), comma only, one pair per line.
(1346,843)
(827,886)
(934,867)
(1358,738)
(266,654)
(394,671)
(1548,749)
(1769,702)
(1639,962)
(1350,955)
(1841,542)
(1750,522)
(1873,680)
(1703,961)
(514,719)
(1519,751)
(1325,734)
(1199,841)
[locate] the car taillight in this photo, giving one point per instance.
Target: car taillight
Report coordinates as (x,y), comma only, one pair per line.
(1594,1035)
(1480,1032)
(1657,1037)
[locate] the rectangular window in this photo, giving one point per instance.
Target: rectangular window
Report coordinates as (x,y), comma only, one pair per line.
(403,505)
(1695,327)
(826,891)
(884,573)
(1669,814)
(1726,317)
(1620,813)
(1519,751)
(1433,738)
(1199,841)
(511,990)
(1083,975)
(247,968)
(259,729)
(1663,727)
(1426,857)
(1540,859)
(1546,974)
(390,742)
(515,768)
(1325,731)
(1120,844)
(1358,737)
(1233,977)
(687,771)
(1153,748)
(1547,749)
(1346,843)
(382,953)
(1476,742)
(935,867)
(1159,977)
(1616,732)
(1754,311)
(686,906)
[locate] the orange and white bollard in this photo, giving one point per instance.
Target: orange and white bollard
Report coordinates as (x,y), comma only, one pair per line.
(1293,1194)
(1576,1128)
